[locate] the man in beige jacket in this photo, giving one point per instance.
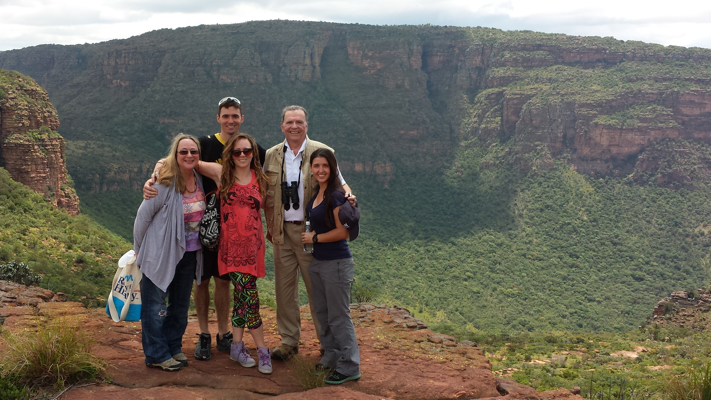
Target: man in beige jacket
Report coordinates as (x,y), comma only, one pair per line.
(288,162)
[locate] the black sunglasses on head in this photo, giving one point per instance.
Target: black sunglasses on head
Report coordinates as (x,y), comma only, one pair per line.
(185,152)
(236,100)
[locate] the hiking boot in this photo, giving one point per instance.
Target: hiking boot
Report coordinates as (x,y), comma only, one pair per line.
(284,352)
(337,378)
(180,357)
(265,360)
(202,349)
(240,353)
(167,365)
(224,343)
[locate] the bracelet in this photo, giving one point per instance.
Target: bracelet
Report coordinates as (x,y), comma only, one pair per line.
(315,238)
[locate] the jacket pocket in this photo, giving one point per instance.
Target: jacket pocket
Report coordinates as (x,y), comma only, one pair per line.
(272,172)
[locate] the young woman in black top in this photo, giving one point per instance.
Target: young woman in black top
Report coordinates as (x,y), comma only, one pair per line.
(331,272)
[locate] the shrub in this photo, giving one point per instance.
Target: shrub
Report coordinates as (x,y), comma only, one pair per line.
(19,272)
(8,390)
(669,306)
(58,353)
(362,293)
(558,361)
(5,253)
(550,339)
(304,373)
(694,385)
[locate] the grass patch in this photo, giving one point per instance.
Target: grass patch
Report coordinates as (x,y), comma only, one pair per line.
(58,354)
(304,373)
(695,384)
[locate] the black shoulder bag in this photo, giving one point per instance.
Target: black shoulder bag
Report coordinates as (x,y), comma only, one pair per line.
(210,222)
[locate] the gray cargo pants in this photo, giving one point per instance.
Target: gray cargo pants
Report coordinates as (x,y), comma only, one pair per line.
(330,289)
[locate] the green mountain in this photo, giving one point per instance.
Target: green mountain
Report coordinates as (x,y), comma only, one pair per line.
(509,181)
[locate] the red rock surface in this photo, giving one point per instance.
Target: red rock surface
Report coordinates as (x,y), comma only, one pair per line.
(400,359)
(35,162)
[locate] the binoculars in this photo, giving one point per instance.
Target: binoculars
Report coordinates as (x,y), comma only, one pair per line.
(290,195)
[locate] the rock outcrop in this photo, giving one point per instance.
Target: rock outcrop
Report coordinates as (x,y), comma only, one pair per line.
(30,148)
(18,295)
(684,309)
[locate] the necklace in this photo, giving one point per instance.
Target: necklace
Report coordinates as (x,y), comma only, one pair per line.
(191,191)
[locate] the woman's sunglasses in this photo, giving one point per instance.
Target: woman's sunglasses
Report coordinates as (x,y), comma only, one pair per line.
(238,152)
(185,152)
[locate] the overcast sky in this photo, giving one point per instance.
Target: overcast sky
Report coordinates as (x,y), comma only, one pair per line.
(26,23)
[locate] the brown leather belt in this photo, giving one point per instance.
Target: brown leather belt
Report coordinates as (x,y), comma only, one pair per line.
(295,222)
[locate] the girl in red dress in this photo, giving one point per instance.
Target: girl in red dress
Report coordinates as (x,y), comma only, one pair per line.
(241,251)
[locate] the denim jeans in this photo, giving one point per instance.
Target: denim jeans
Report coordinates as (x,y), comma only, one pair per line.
(331,288)
(164,326)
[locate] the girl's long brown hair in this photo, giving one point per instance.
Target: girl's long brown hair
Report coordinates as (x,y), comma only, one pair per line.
(228,176)
(170,171)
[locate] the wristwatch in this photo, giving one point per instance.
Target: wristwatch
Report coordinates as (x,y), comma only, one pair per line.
(315,238)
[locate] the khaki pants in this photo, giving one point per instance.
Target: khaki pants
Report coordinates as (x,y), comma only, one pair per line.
(290,261)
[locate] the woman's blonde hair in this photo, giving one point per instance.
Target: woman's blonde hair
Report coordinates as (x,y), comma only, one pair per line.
(228,164)
(170,171)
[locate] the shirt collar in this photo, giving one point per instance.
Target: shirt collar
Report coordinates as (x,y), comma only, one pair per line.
(301,150)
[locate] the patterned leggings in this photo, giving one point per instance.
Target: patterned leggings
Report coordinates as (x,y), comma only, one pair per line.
(246,309)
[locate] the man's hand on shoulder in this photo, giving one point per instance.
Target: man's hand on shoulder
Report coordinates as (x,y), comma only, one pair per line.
(349,194)
(351,199)
(149,191)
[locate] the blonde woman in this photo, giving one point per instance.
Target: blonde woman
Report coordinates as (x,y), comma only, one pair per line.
(165,239)
(241,251)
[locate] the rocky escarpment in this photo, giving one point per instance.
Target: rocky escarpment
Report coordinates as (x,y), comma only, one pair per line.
(30,148)
(384,97)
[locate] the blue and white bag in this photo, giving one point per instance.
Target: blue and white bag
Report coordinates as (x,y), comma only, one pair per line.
(124,302)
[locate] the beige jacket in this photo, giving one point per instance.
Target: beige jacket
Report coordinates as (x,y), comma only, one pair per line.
(273,165)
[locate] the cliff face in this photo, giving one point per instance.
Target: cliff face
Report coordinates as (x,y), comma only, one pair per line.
(384,97)
(30,148)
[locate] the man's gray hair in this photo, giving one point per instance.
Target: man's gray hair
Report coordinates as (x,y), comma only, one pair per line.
(294,108)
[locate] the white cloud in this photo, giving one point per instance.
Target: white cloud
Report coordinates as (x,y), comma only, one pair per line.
(33,22)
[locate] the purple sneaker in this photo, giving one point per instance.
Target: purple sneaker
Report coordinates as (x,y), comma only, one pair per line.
(240,353)
(265,360)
